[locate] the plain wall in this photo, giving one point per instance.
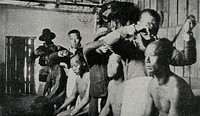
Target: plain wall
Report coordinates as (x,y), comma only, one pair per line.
(22,21)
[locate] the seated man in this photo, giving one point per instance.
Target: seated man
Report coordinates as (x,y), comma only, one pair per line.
(115,87)
(81,88)
(168,94)
(55,86)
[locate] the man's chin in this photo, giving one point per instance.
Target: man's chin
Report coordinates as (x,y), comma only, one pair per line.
(111,75)
(77,73)
(76,46)
(150,71)
(146,37)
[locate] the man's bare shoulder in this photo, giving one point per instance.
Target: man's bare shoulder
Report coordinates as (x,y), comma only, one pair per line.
(86,77)
(177,82)
(110,85)
(179,89)
(84,80)
(152,84)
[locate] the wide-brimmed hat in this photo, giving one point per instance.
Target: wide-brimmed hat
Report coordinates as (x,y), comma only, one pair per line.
(47,34)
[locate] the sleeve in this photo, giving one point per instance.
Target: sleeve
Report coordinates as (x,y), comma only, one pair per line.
(89,51)
(39,51)
(123,32)
(186,56)
(121,41)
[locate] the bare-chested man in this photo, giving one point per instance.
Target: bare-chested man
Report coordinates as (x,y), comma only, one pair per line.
(115,87)
(54,91)
(168,94)
(81,88)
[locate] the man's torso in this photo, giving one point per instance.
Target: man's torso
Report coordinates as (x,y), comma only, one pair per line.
(115,97)
(163,95)
(82,84)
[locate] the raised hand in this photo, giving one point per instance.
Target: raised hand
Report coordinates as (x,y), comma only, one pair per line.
(64,53)
(190,23)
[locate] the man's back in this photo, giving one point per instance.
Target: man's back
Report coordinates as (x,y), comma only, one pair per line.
(57,79)
(115,96)
(175,93)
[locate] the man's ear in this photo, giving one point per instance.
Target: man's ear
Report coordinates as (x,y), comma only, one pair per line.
(128,23)
(83,63)
(160,12)
(80,38)
(138,23)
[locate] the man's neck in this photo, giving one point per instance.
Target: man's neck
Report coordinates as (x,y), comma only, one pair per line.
(81,74)
(163,76)
(48,44)
(52,67)
(118,80)
(73,50)
(71,47)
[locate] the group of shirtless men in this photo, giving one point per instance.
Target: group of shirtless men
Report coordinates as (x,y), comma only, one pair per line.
(125,60)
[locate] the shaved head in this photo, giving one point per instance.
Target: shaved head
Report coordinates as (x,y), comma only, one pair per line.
(158,55)
(161,47)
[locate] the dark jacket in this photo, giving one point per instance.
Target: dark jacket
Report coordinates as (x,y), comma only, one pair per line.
(97,64)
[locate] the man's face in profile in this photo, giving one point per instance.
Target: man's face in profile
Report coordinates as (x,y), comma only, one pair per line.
(153,59)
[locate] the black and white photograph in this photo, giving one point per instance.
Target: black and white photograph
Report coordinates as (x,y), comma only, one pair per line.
(99,57)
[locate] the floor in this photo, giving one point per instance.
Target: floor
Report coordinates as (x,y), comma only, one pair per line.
(16,106)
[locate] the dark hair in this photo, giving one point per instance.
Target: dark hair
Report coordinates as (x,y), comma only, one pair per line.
(75,31)
(79,55)
(53,59)
(153,13)
(124,12)
(121,11)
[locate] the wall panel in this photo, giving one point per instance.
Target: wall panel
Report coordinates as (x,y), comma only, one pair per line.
(193,7)
(154,4)
(182,11)
(173,12)
(147,4)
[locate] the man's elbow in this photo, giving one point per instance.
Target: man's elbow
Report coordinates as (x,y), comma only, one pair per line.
(191,59)
(85,51)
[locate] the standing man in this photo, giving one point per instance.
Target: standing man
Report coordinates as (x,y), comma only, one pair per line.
(130,43)
(168,94)
(75,43)
(43,53)
(97,54)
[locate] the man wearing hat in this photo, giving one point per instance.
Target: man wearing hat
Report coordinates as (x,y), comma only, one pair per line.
(43,53)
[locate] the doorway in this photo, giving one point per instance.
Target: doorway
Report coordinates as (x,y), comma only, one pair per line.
(19,71)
